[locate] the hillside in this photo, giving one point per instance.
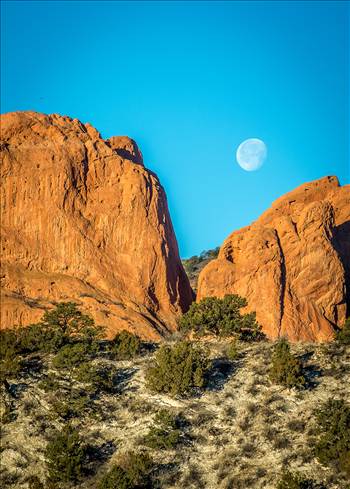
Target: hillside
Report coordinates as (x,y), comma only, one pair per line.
(239,432)
(195,264)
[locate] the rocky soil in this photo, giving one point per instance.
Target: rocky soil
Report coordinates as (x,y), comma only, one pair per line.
(241,431)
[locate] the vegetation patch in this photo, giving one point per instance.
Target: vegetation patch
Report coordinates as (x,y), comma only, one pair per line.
(286,368)
(221,317)
(196,263)
(333,426)
(133,470)
(166,432)
(290,480)
(125,345)
(65,456)
(232,350)
(265,427)
(178,369)
(343,335)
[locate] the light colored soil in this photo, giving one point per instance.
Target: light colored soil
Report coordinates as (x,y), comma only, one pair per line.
(242,431)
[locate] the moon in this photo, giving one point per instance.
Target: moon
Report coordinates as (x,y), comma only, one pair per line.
(251,154)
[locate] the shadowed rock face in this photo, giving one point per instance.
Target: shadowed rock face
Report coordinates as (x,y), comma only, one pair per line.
(292,264)
(84,220)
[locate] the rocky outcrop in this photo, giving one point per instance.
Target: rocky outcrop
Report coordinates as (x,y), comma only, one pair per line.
(83,220)
(292,264)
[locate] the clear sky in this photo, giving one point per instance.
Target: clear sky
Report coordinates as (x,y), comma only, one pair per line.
(189,81)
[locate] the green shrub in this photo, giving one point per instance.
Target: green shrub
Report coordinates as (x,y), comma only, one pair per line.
(132,471)
(100,378)
(125,345)
(166,431)
(66,323)
(71,405)
(10,361)
(8,343)
(220,317)
(17,342)
(72,355)
(65,456)
(178,369)
(7,413)
(232,350)
(291,480)
(333,426)
(116,478)
(10,366)
(49,383)
(191,265)
(33,338)
(58,327)
(286,369)
(343,335)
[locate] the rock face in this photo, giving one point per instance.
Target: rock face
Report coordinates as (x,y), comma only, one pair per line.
(84,220)
(292,264)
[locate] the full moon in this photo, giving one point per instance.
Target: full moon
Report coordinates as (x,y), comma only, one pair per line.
(251,154)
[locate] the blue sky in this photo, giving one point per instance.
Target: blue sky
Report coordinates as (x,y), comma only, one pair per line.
(189,81)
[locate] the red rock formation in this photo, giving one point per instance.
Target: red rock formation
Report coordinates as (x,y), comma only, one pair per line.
(292,264)
(84,220)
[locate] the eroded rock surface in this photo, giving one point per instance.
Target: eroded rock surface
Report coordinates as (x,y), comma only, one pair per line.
(84,220)
(292,264)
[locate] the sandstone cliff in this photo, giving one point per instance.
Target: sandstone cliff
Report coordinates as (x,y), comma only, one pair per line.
(84,220)
(292,264)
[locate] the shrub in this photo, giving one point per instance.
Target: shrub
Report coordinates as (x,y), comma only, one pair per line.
(232,350)
(166,431)
(178,369)
(291,480)
(73,405)
(33,338)
(8,342)
(65,456)
(333,426)
(116,478)
(58,327)
(66,323)
(286,369)
(10,366)
(6,413)
(72,355)
(101,379)
(49,383)
(343,335)
(10,362)
(125,345)
(220,317)
(133,470)
(191,265)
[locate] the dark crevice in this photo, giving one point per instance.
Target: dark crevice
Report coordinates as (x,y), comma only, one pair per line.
(283,281)
(128,155)
(341,243)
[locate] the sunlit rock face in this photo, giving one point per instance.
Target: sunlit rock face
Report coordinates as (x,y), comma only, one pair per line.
(292,264)
(83,220)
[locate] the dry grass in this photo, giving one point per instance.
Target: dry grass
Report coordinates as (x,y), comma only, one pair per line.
(240,434)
